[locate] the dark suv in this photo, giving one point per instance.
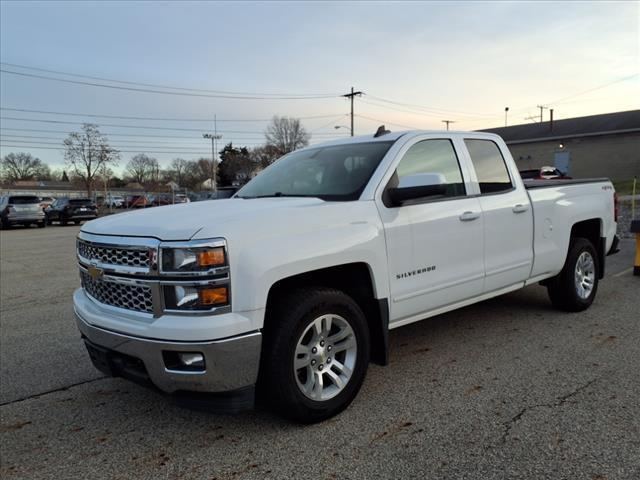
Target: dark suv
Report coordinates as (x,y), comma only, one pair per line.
(65,210)
(20,209)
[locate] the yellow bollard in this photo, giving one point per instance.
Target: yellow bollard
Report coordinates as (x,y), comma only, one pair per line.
(635,228)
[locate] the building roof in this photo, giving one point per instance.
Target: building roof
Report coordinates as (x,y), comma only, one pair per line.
(603,124)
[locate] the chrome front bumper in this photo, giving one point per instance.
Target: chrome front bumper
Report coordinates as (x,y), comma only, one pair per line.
(230,364)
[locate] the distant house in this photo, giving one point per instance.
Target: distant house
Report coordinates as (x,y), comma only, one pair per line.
(606,145)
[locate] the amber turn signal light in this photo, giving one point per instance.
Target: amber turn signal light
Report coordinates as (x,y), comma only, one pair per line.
(213,296)
(211,258)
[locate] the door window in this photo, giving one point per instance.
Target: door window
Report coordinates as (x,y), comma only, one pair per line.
(432,159)
(489,165)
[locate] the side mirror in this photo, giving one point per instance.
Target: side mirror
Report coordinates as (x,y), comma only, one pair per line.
(419,185)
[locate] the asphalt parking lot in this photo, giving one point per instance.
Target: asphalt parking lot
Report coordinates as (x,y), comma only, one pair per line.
(508,388)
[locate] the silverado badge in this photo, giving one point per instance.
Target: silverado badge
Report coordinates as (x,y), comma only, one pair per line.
(95,272)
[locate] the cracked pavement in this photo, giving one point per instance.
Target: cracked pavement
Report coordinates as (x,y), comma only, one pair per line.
(508,388)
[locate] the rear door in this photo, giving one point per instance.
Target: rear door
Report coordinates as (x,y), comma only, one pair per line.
(507,213)
(434,245)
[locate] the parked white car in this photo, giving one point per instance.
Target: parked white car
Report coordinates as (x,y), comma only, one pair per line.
(114,201)
(294,283)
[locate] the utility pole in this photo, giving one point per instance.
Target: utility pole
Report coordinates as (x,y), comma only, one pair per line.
(214,137)
(350,96)
(542,107)
(506,110)
(448,122)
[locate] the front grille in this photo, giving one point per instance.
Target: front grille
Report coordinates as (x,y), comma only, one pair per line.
(131,297)
(128,257)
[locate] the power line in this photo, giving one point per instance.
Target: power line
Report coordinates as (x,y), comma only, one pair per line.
(430,109)
(161,92)
(623,79)
(143,127)
(122,117)
(385,122)
(136,135)
(178,152)
(117,146)
(152,85)
(39,137)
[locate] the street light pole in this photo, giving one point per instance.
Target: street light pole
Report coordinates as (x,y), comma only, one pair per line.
(506,110)
(213,136)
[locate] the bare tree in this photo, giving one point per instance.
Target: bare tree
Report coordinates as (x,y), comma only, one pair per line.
(264,155)
(141,168)
(23,166)
(87,152)
(178,170)
(286,134)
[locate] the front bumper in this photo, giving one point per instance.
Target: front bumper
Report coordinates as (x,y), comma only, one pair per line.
(231,364)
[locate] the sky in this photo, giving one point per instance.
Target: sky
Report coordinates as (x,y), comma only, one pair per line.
(417,64)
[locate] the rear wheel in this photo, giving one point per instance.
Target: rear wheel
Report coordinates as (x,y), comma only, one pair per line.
(42,224)
(575,287)
(76,222)
(315,354)
(63,221)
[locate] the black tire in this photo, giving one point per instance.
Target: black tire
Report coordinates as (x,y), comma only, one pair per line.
(562,288)
(42,224)
(63,221)
(76,222)
(48,220)
(290,317)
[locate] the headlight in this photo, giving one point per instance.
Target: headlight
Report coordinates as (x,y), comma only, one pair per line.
(192,259)
(195,297)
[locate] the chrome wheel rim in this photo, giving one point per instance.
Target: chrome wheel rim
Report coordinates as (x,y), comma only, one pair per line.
(325,357)
(585,275)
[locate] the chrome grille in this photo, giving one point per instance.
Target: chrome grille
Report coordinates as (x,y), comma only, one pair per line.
(128,257)
(131,297)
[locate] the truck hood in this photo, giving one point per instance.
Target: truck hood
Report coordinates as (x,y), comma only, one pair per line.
(184,221)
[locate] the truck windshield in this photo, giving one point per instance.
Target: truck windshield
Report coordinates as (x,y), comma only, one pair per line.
(338,173)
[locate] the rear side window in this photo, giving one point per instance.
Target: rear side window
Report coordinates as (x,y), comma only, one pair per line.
(489,165)
(23,200)
(436,159)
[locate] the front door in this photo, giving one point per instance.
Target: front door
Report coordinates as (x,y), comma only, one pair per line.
(435,244)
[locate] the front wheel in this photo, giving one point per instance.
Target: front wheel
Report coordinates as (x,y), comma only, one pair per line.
(315,354)
(42,224)
(575,287)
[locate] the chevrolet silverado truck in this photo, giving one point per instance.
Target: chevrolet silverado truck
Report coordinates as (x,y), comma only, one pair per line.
(288,290)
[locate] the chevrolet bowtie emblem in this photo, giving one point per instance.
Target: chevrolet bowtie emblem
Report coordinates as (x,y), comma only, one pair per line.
(95,272)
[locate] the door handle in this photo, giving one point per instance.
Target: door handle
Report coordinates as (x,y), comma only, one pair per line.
(469,216)
(519,208)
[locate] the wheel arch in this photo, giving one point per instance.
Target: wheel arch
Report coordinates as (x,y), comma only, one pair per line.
(354,279)
(591,229)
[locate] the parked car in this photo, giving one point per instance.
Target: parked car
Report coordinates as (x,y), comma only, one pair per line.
(162,199)
(46,201)
(180,198)
(114,201)
(65,210)
(137,201)
(544,173)
(21,210)
(220,193)
(294,284)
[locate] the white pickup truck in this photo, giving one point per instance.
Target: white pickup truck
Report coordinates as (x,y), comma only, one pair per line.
(289,289)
